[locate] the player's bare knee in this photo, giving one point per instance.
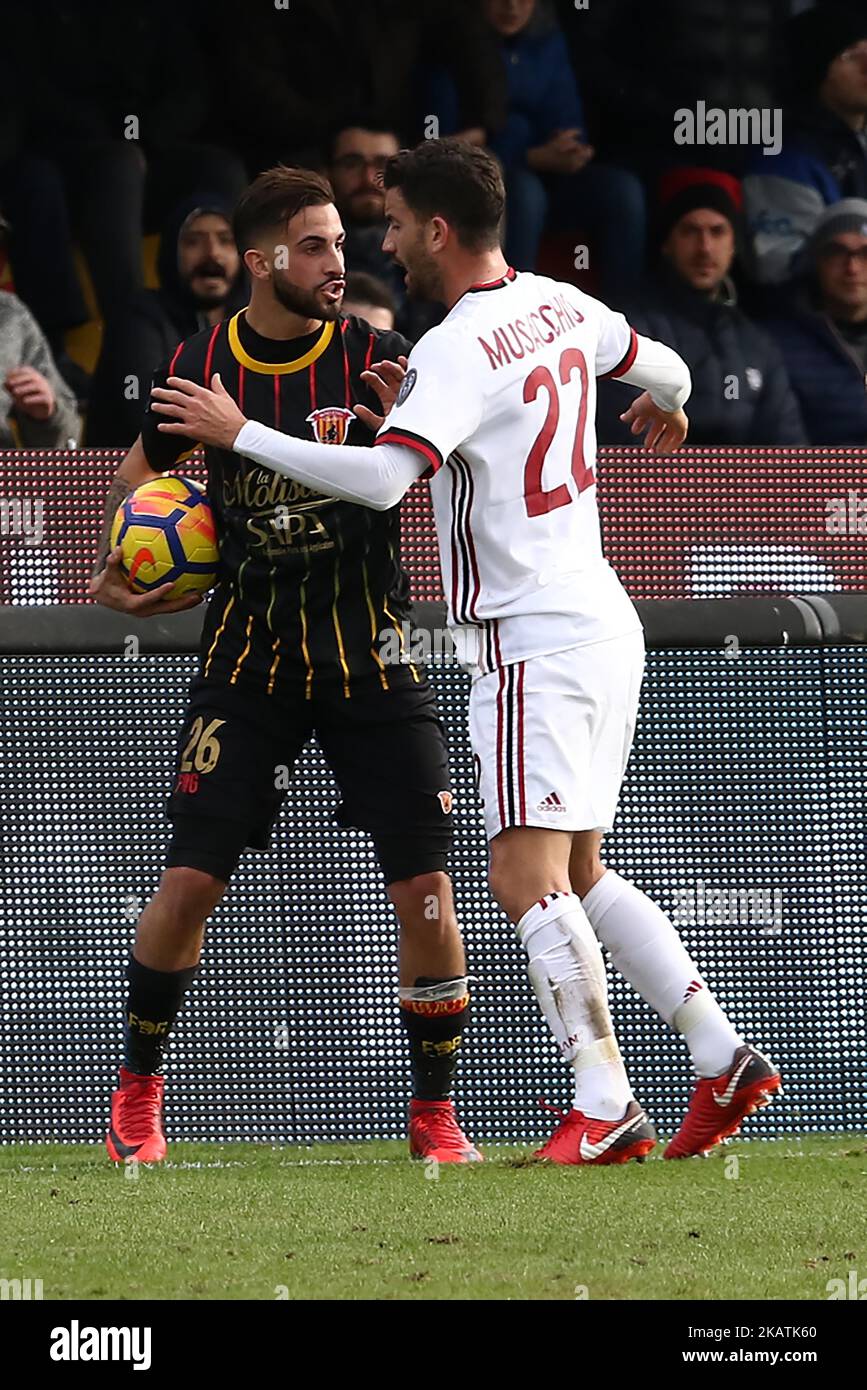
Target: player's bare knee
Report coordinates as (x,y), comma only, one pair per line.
(425,898)
(508,888)
(583,873)
(190,893)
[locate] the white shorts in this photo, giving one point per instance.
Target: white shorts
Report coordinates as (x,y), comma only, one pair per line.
(551,736)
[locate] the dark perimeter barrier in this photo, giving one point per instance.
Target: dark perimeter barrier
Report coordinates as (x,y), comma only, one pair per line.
(742,815)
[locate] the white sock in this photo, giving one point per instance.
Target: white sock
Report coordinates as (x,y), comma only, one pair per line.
(646,949)
(568,974)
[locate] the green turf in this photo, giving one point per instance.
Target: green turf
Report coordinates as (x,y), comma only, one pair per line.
(245,1221)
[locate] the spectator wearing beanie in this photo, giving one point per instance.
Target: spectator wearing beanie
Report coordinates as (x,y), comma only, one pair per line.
(740,391)
(824,158)
(823,339)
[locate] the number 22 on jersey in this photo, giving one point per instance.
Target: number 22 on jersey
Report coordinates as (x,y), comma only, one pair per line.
(538,501)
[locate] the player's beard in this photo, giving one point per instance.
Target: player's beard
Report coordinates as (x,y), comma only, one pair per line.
(423,277)
(307,304)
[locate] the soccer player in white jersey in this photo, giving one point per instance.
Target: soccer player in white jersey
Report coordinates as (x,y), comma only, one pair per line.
(497,408)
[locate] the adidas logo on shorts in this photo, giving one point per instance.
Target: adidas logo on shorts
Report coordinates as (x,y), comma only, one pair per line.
(552,803)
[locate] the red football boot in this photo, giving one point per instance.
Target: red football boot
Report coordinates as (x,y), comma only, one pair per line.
(581,1139)
(435,1133)
(718,1104)
(136,1129)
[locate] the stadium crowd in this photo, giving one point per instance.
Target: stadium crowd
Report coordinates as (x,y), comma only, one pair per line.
(127,134)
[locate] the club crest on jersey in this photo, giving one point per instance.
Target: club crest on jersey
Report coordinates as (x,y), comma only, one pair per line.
(406,385)
(446,801)
(331,424)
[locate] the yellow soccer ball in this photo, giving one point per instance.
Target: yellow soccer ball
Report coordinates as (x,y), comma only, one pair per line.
(167,535)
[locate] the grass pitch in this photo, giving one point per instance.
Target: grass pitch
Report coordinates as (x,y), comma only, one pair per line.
(760,1220)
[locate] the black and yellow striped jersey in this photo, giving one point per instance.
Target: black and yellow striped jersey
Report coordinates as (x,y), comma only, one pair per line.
(308,583)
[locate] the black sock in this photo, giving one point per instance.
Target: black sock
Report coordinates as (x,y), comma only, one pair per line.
(435,1027)
(153,1002)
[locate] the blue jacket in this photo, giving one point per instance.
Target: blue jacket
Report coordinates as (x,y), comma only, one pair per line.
(785,194)
(542,94)
(826,376)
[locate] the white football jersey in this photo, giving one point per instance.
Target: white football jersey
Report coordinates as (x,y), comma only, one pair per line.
(500,398)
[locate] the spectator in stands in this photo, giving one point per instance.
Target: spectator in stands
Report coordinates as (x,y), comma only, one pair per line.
(824,158)
(740,391)
(358,156)
(37,408)
(552,178)
(370,299)
(39,245)
(823,339)
(38,237)
(638,63)
(201,283)
(313,65)
(117,99)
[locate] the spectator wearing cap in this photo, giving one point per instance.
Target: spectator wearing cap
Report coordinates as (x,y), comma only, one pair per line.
(740,391)
(37,408)
(201,282)
(824,159)
(823,338)
(369,299)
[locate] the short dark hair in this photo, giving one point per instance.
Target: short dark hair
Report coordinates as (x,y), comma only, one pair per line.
(273,199)
(362,288)
(455,180)
(359,121)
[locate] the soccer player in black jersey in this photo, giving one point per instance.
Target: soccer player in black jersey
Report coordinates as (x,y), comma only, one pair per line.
(290,648)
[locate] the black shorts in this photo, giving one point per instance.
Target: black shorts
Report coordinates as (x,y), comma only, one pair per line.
(237,750)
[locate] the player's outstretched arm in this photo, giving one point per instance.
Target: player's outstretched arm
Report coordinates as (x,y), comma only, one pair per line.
(107,583)
(376,477)
(658,412)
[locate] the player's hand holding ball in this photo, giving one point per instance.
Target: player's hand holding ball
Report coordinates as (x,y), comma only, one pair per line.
(111,588)
(164,552)
(665,430)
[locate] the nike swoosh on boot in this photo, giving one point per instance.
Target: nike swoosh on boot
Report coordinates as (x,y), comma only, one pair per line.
(590,1151)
